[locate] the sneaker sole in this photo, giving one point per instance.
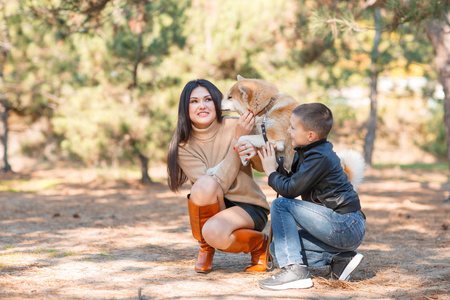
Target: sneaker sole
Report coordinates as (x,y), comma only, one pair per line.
(298,284)
(352,265)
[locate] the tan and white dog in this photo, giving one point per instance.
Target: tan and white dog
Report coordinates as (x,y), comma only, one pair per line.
(270,107)
(274,109)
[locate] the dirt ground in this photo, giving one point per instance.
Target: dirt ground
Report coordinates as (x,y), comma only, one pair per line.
(75,234)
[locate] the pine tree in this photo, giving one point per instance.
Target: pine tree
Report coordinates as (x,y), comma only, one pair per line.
(432,17)
(29,69)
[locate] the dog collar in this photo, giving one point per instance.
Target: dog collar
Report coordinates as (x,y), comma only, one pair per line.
(266,108)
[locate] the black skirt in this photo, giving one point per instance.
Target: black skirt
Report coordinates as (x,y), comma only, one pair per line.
(257,213)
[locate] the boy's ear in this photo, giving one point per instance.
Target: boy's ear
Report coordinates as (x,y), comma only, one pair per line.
(312,135)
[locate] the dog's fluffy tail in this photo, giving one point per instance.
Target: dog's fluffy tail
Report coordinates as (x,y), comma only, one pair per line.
(353,164)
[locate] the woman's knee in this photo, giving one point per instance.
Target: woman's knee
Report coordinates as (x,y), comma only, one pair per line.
(205,191)
(216,236)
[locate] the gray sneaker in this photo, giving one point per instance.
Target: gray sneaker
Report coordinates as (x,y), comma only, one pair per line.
(294,276)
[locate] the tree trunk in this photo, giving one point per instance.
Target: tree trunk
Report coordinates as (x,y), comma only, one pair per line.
(4,109)
(139,49)
(209,7)
(142,158)
(439,34)
(4,137)
(369,140)
(144,169)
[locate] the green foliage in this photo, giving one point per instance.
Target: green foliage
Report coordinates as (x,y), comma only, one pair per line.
(226,40)
(433,140)
(417,11)
(108,74)
(35,66)
(341,111)
(98,128)
(341,21)
(106,114)
(78,122)
(139,39)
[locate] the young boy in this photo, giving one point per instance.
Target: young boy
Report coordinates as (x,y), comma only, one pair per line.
(329,214)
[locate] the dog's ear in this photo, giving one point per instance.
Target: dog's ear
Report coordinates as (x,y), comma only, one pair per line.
(239,77)
(245,91)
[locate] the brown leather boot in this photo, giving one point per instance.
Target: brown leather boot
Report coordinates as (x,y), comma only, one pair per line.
(198,215)
(248,240)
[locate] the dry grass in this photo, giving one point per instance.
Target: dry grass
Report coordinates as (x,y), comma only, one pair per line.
(72,234)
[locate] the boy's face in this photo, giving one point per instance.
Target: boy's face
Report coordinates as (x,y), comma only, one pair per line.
(299,135)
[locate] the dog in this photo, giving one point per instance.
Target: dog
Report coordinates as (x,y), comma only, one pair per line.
(272,110)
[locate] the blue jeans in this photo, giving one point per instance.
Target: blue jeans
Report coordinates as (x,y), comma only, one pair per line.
(322,234)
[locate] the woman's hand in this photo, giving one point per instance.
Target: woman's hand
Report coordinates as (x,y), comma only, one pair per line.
(245,125)
(245,148)
(268,160)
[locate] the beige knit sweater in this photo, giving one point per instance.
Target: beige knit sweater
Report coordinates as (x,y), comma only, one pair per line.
(208,147)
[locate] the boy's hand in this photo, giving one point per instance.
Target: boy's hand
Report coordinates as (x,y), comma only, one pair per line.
(268,160)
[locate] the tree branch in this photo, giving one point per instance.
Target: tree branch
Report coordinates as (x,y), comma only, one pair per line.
(352,25)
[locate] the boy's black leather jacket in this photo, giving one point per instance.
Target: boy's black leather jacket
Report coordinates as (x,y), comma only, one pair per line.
(318,177)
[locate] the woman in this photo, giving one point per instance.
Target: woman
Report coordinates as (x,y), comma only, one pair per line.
(228,210)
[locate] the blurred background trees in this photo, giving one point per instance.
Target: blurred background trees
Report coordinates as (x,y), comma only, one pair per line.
(98,82)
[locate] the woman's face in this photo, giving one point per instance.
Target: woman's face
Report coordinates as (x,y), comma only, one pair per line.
(202,110)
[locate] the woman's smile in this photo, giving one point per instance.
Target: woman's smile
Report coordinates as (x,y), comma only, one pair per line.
(203,113)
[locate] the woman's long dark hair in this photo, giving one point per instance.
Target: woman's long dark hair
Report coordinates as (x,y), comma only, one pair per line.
(176,177)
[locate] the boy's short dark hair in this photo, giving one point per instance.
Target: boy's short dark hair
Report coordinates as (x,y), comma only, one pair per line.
(316,117)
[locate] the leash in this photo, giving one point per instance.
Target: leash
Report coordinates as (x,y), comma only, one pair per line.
(269,259)
(263,129)
(280,160)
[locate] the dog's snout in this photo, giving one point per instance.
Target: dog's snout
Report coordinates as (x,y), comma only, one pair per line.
(227,105)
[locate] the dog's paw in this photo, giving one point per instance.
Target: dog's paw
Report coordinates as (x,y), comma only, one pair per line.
(244,162)
(255,140)
(280,146)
